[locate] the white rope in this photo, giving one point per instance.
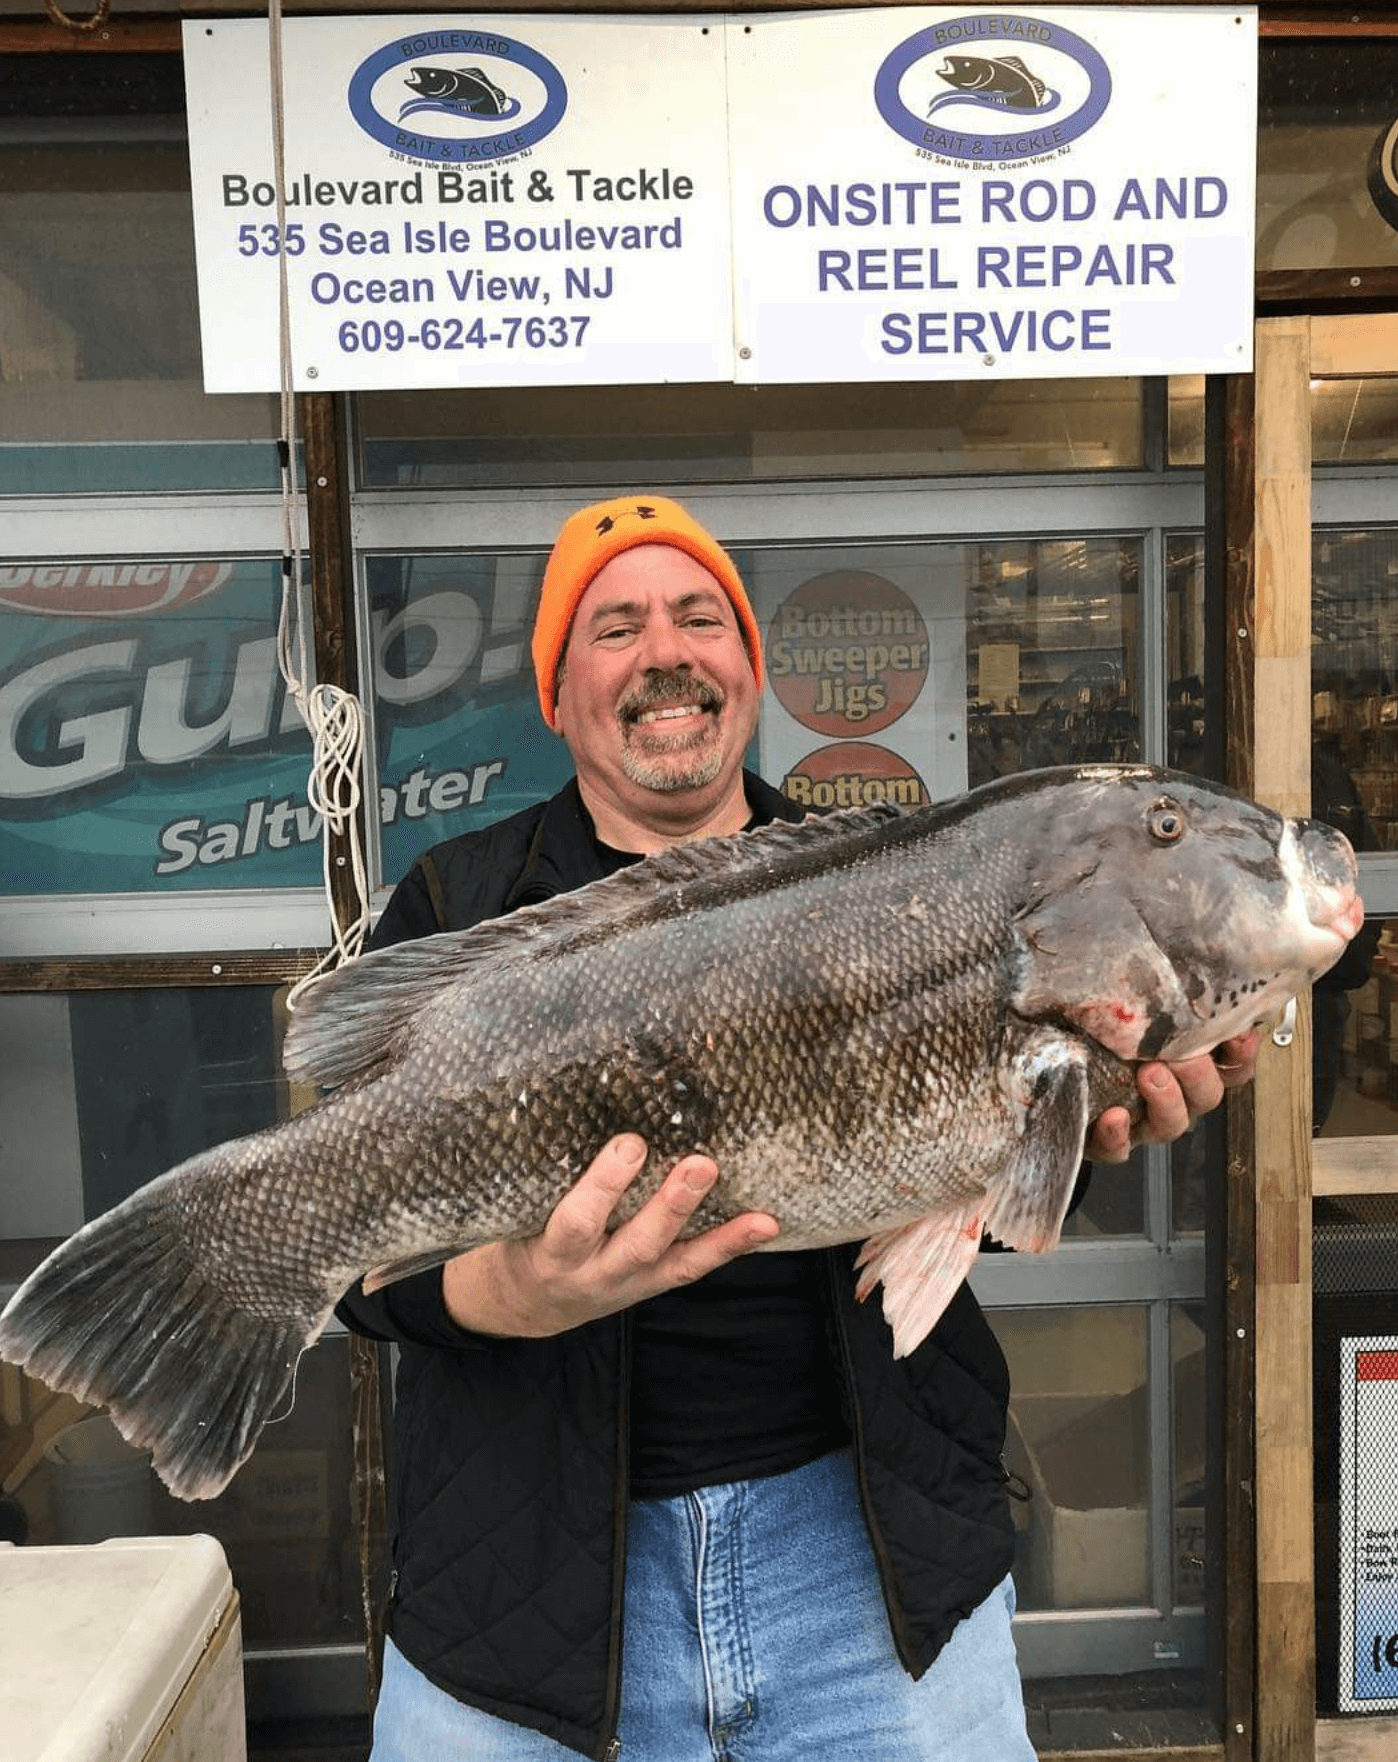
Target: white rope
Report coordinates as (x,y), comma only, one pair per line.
(334,717)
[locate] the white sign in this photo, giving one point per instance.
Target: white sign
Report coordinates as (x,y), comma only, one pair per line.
(926,193)
(915,194)
(1368,1664)
(508,201)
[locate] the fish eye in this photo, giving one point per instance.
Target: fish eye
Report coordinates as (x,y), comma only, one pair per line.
(1165,822)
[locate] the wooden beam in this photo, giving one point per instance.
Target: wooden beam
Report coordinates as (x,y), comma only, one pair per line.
(1363,346)
(1356,1740)
(277,966)
(325,426)
(1282,1413)
(1354,1167)
(1361,288)
(1229,521)
(118,36)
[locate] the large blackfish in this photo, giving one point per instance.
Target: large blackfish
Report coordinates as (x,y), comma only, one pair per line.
(881,1025)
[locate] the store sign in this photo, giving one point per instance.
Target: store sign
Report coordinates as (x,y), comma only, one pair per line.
(1368,1602)
(923,194)
(915,193)
(503,203)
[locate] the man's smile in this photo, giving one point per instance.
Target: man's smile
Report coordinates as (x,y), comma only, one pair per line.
(671,712)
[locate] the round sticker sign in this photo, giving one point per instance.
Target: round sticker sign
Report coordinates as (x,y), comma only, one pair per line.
(854,774)
(847,652)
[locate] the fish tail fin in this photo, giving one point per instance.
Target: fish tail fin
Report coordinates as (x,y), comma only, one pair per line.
(920,1267)
(122,1316)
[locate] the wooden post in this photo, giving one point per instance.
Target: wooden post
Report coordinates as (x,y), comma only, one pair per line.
(1229,517)
(1282,1126)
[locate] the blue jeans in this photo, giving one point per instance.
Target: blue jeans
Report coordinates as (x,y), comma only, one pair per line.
(755,1632)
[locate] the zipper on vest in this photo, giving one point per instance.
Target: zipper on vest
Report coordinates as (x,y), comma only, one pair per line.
(612,1716)
(896,1621)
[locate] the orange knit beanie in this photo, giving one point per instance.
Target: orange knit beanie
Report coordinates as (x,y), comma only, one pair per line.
(590,539)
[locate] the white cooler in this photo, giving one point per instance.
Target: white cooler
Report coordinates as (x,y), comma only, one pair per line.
(120,1651)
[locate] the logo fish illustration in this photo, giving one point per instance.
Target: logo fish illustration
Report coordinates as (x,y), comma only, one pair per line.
(1004,81)
(456,90)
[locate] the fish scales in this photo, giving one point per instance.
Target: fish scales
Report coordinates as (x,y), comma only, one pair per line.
(885,1027)
(776,1017)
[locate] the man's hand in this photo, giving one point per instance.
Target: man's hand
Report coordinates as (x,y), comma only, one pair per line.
(575,1269)
(1175,1096)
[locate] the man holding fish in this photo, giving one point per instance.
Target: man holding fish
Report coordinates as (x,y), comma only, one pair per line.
(659,1498)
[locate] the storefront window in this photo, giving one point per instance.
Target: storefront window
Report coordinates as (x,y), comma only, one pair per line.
(735,434)
(147,741)
(99,331)
(902,672)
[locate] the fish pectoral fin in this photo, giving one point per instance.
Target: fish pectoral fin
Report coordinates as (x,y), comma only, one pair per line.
(1047,1079)
(920,1267)
(921,1264)
(393,1270)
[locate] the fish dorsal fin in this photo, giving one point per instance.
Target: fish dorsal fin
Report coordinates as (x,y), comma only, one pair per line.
(1014,62)
(349,1023)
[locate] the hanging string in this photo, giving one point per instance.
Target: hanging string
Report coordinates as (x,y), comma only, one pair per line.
(101,12)
(334,717)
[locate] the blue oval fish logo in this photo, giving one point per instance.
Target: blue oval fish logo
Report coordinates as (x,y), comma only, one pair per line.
(989,104)
(459,91)
(457,96)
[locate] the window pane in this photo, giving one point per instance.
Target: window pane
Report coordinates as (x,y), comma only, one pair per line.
(1079,1441)
(1354,421)
(1186,420)
(1354,683)
(720,434)
(100,353)
(147,741)
(1354,764)
(100,1092)
(1114,1204)
(1323,108)
(1188,735)
(1354,1032)
(285,1520)
(1189,1409)
(1053,646)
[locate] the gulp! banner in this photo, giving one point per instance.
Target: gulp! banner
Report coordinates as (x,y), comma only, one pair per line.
(881,194)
